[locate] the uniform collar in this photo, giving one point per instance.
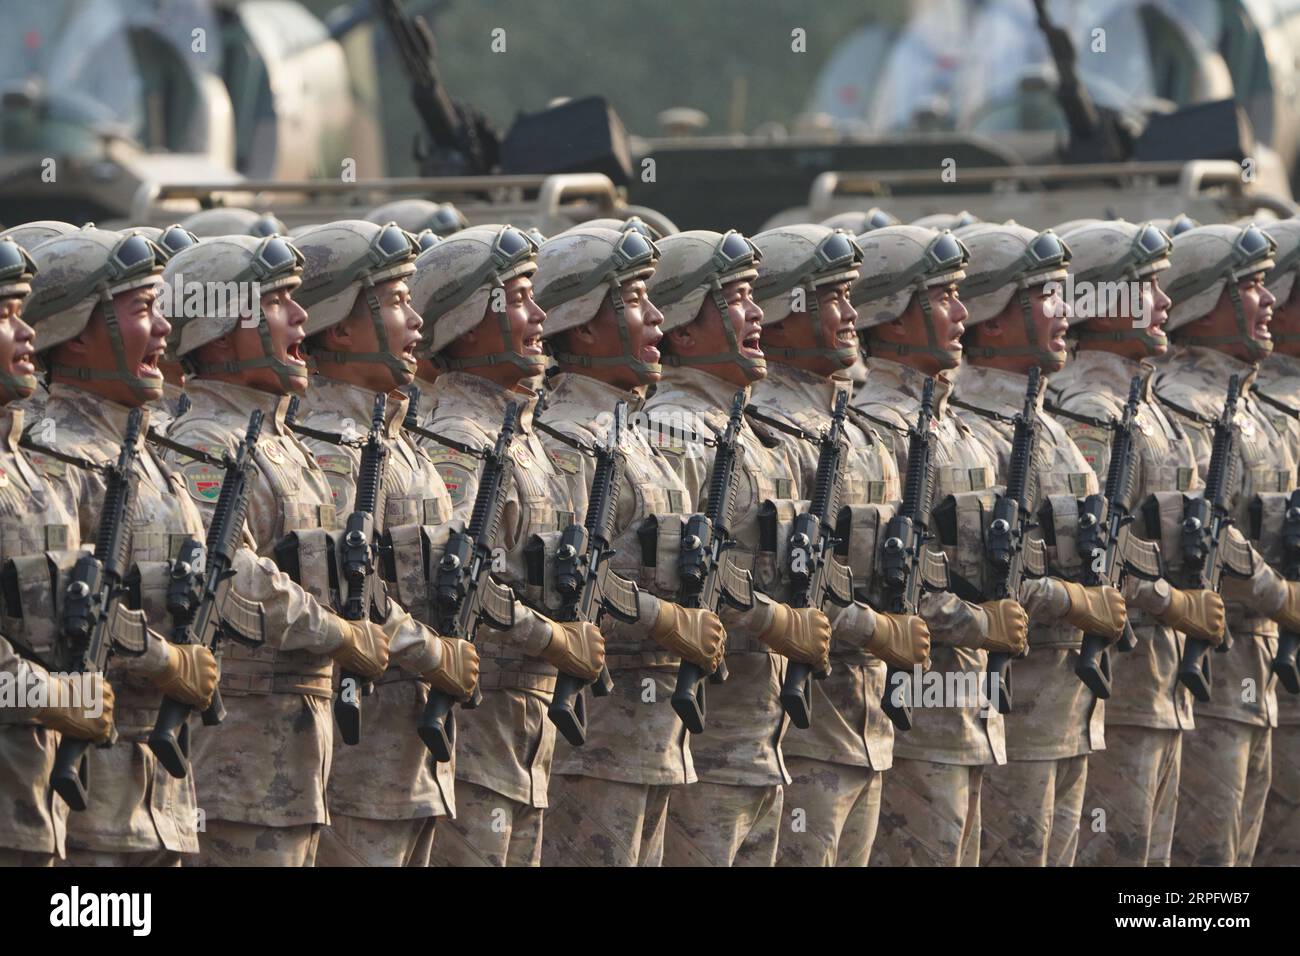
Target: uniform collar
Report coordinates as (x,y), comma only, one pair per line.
(453,387)
(345,400)
(238,401)
(574,388)
(1216,364)
(910,382)
(107,417)
(798,388)
(994,389)
(712,391)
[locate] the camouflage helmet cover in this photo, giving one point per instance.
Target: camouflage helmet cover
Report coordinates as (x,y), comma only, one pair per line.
(1281,280)
(1004,259)
(29,235)
(417,215)
(897,262)
(694,263)
(799,256)
(1114,251)
(345,259)
(1204,260)
(578,268)
(858,222)
(233,221)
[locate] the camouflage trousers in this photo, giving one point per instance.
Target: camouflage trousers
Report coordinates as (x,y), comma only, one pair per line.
(830,814)
(717,824)
(1134,783)
(1030,812)
(594,822)
(358,841)
(489,830)
(1227,767)
(930,815)
(1279,837)
(227,843)
(10,858)
(115,859)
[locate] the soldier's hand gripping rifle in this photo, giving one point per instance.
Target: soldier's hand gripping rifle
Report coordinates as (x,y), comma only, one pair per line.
(902,556)
(707,572)
(586,585)
(1101,520)
(93,605)
(199,576)
(464,593)
(1205,523)
(1005,541)
(358,562)
(1288,642)
(814,573)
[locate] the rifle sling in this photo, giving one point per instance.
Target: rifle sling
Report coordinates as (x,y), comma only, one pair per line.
(1281,406)
(1076,417)
(1185,412)
(984,412)
(443,440)
(752,412)
(333,438)
(867,419)
(157,438)
(565,439)
(85,464)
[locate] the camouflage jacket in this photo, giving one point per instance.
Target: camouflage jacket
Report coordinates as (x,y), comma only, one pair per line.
(1192,383)
(34,523)
(1094,387)
(891,398)
(388,775)
(1055,715)
(631,739)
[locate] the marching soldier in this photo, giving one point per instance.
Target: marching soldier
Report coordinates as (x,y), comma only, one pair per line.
(910,318)
(99,334)
(385,795)
(609,798)
(263,771)
(1017,321)
(1278,389)
(732,816)
(1219,327)
(838,762)
(474,291)
(1135,779)
(34,523)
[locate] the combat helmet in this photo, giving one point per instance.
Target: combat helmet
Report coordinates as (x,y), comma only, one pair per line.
(426,221)
(1206,260)
(1281,278)
(16,273)
(858,222)
(1175,226)
(581,267)
(233,221)
(347,259)
(806,257)
(697,263)
(1006,262)
(898,263)
(621,226)
(29,235)
(272,262)
(453,285)
(948,220)
(1114,251)
(169,239)
(82,270)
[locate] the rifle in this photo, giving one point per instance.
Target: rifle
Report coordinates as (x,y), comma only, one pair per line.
(198,576)
(1205,522)
(902,555)
(357,562)
(1288,642)
(1005,541)
(707,572)
(464,593)
(815,574)
(1112,512)
(581,577)
(93,599)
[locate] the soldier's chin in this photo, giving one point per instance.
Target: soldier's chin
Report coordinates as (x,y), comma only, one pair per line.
(755,368)
(19,388)
(951,357)
(847,355)
(1157,342)
(1054,361)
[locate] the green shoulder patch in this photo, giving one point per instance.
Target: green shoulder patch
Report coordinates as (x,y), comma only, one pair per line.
(335,464)
(569,462)
(203,481)
(1093,442)
(455,468)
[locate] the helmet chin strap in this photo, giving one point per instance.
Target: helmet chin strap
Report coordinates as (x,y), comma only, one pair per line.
(287,374)
(529,364)
(753,368)
(844,355)
(643,370)
(947,358)
(1256,349)
(14,388)
(143,389)
(402,369)
(1044,357)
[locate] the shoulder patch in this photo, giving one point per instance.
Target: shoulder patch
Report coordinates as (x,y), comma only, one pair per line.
(455,468)
(335,464)
(48,466)
(340,488)
(216,451)
(203,481)
(568,462)
(1093,441)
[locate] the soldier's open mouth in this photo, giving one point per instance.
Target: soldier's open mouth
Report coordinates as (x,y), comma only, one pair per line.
(750,343)
(533,345)
(847,336)
(294,353)
(148,367)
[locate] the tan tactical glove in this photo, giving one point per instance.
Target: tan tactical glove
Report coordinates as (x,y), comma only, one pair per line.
(576,649)
(189,676)
(73,720)
(1096,610)
(695,634)
(364,651)
(1198,613)
(801,634)
(901,640)
(1008,627)
(1288,615)
(458,672)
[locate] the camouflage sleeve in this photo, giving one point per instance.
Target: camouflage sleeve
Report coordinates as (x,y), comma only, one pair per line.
(1265,590)
(1045,600)
(18,668)
(952,621)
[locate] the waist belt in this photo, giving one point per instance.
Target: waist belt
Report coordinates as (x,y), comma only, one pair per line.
(248,670)
(395,675)
(626,658)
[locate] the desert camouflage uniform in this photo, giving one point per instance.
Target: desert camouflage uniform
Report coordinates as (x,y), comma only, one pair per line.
(33,523)
(136,810)
(262,772)
(732,816)
(1032,806)
(1227,761)
(386,793)
(1135,779)
(1279,837)
(609,798)
(931,803)
(506,744)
